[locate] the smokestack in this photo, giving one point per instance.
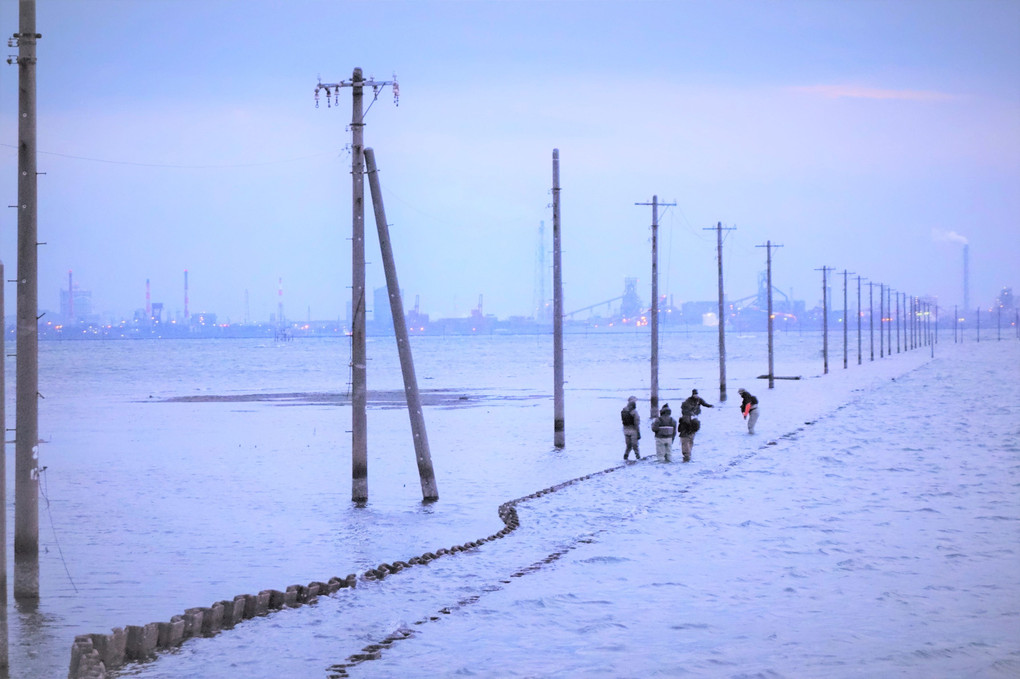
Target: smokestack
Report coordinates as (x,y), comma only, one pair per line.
(148,300)
(186,315)
(70,297)
(279,295)
(966,276)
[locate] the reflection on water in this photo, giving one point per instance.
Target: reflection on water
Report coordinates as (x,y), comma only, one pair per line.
(162,505)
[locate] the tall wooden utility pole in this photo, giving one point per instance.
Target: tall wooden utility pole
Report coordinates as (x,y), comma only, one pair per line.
(359,385)
(768,278)
(559,427)
(4,644)
(825,318)
(414,410)
(26,469)
(654,400)
(722,311)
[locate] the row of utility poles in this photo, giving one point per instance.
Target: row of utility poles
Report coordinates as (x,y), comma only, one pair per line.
(918,318)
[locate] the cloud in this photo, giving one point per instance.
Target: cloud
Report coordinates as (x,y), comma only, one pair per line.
(943,236)
(858,92)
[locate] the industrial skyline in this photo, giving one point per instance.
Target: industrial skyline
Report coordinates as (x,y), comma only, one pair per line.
(876,137)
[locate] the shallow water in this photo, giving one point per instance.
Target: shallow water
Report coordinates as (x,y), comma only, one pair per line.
(881,539)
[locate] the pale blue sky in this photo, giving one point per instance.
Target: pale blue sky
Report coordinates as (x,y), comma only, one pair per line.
(182,134)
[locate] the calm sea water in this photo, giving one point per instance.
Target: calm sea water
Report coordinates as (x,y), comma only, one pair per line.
(153,505)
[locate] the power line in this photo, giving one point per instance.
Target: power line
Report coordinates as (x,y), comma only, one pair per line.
(175,166)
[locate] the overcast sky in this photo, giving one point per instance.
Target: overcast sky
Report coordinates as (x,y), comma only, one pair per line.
(872,136)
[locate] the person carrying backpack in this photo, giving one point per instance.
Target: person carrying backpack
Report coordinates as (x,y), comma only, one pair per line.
(664,427)
(631,427)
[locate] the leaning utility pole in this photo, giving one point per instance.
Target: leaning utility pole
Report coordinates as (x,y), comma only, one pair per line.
(359,385)
(26,470)
(768,277)
(722,311)
(655,304)
(421,439)
(825,318)
(559,426)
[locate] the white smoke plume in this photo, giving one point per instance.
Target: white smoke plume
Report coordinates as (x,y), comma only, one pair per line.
(943,236)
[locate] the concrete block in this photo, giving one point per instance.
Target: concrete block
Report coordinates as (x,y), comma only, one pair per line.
(81,647)
(314,588)
(250,601)
(171,634)
(141,641)
(276,599)
(352,580)
(111,647)
(193,622)
(212,621)
(262,602)
(300,595)
(234,613)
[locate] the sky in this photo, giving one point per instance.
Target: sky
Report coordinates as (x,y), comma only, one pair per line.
(873,137)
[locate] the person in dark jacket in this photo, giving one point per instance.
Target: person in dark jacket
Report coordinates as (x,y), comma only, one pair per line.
(664,427)
(692,405)
(749,409)
(686,427)
(631,427)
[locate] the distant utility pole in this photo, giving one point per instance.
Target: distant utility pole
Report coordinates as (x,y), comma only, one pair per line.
(655,303)
(845,321)
(718,228)
(768,283)
(888,307)
(559,425)
(871,317)
(858,320)
(26,468)
(898,295)
(359,387)
(825,317)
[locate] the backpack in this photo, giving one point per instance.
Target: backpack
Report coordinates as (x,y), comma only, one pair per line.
(627,417)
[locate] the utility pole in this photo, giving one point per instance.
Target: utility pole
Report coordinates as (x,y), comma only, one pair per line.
(26,469)
(871,317)
(655,303)
(898,295)
(858,320)
(825,317)
(414,409)
(559,425)
(722,311)
(359,385)
(845,321)
(4,640)
(768,282)
(888,307)
(881,320)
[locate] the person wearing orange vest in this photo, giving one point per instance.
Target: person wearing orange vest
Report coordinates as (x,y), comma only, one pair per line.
(749,409)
